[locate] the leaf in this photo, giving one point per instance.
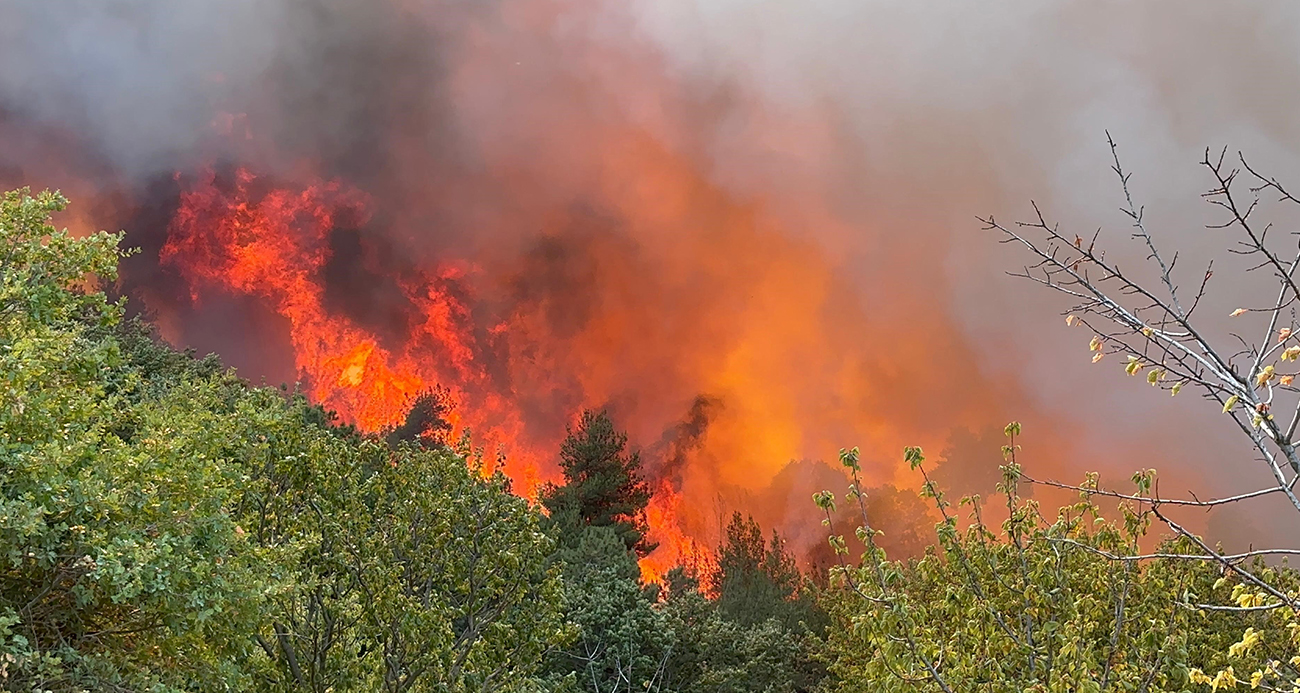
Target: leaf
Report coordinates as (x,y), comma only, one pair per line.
(1282,334)
(1097,357)
(849,458)
(1228,405)
(913,456)
(1264,375)
(1178,387)
(1095,344)
(1236,312)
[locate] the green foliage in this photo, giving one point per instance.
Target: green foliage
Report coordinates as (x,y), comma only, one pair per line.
(754,637)
(602,484)
(715,654)
(620,642)
(630,638)
(423,577)
(121,567)
(165,527)
(1036,605)
(757,581)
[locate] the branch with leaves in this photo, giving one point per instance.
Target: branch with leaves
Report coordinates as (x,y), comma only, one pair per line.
(1069,603)
(1245,363)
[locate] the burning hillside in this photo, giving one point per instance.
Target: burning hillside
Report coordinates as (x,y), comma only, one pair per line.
(582,319)
(542,206)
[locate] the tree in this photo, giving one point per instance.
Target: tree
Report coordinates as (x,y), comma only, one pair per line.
(761,631)
(412,571)
(1160,332)
(602,484)
(757,580)
(121,567)
(630,637)
(166,527)
(714,654)
(621,642)
(426,421)
(1069,604)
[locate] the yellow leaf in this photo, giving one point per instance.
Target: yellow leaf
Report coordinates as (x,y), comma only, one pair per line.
(1291,354)
(1095,344)
(1236,312)
(1285,380)
(1178,387)
(1228,405)
(1224,679)
(1265,375)
(1069,320)
(1097,357)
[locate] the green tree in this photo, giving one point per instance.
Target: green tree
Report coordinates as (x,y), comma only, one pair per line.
(121,568)
(166,527)
(602,484)
(757,580)
(1068,604)
(621,642)
(715,654)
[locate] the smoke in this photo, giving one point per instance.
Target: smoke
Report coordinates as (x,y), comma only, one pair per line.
(746,228)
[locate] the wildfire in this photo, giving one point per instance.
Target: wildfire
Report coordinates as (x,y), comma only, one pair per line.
(274,245)
(564,220)
(675,548)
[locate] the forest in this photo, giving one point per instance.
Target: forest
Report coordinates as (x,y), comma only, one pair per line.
(167,526)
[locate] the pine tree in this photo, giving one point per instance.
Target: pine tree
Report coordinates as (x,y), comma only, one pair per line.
(758,580)
(602,484)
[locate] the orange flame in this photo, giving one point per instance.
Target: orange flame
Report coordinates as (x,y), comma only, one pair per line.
(675,547)
(275,246)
